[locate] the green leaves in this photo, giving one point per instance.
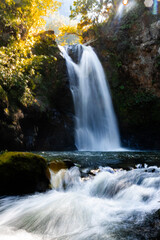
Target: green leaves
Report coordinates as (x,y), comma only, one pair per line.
(24,17)
(20,67)
(91,12)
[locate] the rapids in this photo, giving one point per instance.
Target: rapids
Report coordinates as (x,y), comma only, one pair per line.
(113,204)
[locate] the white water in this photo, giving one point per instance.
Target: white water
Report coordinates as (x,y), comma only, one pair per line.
(108,207)
(95,122)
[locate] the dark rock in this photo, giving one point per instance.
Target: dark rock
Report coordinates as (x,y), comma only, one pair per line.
(75,52)
(150,228)
(23,173)
(129,52)
(57,165)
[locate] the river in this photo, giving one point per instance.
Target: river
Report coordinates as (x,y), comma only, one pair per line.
(117,201)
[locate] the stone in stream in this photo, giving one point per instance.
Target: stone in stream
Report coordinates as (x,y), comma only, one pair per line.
(57,165)
(23,173)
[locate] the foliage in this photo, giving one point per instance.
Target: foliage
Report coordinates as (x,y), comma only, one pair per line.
(144,97)
(66,30)
(16,70)
(92,12)
(21,65)
(25,16)
(3,94)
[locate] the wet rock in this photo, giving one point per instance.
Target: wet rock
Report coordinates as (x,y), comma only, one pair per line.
(58,179)
(150,228)
(23,173)
(75,52)
(57,165)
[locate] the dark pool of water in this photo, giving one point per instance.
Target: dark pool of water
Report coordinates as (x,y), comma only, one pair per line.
(124,160)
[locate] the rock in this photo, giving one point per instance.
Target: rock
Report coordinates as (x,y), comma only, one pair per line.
(129,52)
(146,44)
(75,53)
(23,173)
(58,179)
(146,35)
(58,165)
(155,30)
(151,226)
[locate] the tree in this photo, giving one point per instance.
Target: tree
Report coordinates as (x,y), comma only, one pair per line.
(25,16)
(20,66)
(69,33)
(65,29)
(92,12)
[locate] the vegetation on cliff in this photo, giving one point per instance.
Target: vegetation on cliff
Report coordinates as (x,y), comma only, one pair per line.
(21,62)
(33,82)
(128,47)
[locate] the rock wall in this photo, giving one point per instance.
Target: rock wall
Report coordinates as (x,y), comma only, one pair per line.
(129,49)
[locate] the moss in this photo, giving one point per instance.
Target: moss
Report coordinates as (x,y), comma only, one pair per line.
(57,165)
(22,173)
(3,94)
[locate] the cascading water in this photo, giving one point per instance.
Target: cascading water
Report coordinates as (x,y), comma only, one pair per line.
(95,122)
(111,206)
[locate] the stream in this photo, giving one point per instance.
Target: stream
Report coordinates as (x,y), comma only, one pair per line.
(119,200)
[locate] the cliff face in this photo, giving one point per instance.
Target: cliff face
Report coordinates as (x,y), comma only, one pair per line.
(45,123)
(129,49)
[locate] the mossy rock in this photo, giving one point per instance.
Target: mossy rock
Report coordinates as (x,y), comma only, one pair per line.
(58,165)
(23,173)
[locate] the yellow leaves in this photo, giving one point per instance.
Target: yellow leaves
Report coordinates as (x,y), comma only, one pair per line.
(6,110)
(70,29)
(27,98)
(27,16)
(55,59)
(2,52)
(67,29)
(9,2)
(38,10)
(32,71)
(20,68)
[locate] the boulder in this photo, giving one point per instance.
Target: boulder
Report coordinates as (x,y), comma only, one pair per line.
(23,173)
(57,165)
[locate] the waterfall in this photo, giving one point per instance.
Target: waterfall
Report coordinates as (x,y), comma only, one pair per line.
(95,122)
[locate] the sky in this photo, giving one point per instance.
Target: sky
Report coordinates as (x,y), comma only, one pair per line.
(65,8)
